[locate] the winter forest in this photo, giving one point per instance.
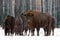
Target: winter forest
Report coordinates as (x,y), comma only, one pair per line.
(38,18)
(15,7)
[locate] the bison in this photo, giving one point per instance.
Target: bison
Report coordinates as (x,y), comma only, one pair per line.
(38,19)
(9,24)
(21,24)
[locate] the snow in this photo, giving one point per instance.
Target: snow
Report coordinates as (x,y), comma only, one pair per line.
(41,37)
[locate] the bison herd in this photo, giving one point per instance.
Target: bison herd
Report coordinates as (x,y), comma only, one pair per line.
(29,20)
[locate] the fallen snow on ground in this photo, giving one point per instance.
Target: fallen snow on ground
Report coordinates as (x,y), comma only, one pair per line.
(41,37)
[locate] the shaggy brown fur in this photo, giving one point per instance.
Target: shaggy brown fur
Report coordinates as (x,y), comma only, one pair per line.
(9,24)
(21,24)
(38,19)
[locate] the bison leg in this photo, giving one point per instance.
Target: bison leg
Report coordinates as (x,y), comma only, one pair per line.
(52,27)
(29,32)
(52,30)
(21,33)
(26,31)
(5,32)
(38,31)
(48,31)
(32,32)
(45,31)
(12,31)
(15,32)
(9,31)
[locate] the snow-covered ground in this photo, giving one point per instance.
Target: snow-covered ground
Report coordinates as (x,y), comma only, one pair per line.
(41,37)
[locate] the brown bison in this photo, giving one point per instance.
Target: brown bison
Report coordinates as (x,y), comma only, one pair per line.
(21,24)
(38,19)
(25,24)
(9,24)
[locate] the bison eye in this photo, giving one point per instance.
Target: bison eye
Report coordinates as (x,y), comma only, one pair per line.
(25,15)
(32,15)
